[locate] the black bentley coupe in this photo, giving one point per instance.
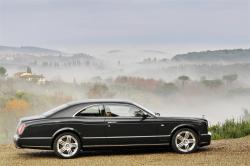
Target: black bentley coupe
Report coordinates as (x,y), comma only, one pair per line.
(108,123)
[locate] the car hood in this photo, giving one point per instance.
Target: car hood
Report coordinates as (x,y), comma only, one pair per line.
(183,119)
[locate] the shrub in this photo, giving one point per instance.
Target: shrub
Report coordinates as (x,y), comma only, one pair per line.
(230,129)
(18,105)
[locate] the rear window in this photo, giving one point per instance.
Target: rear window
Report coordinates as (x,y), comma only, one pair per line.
(92,111)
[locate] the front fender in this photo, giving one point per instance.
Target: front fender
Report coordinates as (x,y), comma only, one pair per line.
(191,126)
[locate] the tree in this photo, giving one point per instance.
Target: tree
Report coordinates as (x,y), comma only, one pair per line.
(246,115)
(183,78)
(166,88)
(20,94)
(99,90)
(2,71)
(212,83)
(230,78)
(29,70)
(74,81)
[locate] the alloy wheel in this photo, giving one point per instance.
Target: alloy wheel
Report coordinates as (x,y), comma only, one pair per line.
(185,141)
(67,146)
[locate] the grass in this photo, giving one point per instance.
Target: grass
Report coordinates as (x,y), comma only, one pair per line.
(230,129)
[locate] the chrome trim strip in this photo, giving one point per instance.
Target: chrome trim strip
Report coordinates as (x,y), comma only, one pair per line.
(125,145)
(130,104)
(149,136)
(209,133)
(35,137)
(30,146)
(204,142)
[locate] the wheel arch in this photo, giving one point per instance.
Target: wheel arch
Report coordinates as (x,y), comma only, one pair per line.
(63,130)
(189,126)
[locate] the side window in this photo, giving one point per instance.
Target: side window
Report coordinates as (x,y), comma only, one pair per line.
(122,110)
(92,111)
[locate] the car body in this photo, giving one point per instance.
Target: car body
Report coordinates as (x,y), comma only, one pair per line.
(108,123)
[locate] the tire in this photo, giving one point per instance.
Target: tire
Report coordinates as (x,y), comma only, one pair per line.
(184,141)
(67,145)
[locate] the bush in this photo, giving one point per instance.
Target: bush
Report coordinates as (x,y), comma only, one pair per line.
(18,105)
(230,129)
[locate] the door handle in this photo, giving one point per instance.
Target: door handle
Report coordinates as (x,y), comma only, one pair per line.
(162,125)
(111,122)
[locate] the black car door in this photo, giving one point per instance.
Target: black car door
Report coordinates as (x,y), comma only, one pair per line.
(92,125)
(125,125)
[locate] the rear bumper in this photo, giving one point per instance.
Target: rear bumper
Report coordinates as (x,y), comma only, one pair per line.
(32,142)
(16,140)
(205,139)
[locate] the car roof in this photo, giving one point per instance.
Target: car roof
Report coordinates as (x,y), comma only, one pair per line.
(100,101)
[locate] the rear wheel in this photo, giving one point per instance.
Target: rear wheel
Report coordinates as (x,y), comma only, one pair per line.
(67,145)
(185,140)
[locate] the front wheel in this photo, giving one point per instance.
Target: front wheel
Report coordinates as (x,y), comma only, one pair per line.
(67,145)
(184,141)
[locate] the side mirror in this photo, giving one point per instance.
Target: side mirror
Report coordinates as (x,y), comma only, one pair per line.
(157,114)
(144,116)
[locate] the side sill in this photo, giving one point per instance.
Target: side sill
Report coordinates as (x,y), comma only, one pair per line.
(121,137)
(124,145)
(36,138)
(36,147)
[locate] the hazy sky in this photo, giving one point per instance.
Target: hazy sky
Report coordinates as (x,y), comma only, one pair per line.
(87,25)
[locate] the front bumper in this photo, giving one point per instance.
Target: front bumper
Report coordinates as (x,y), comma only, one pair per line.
(205,139)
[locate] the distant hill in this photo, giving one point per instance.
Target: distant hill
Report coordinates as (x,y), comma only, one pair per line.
(29,50)
(234,55)
(42,57)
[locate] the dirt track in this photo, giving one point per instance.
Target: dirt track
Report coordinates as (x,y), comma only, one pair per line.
(224,152)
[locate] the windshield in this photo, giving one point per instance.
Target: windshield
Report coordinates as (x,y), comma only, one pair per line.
(54,110)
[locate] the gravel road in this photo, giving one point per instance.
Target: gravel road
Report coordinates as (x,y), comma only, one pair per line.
(233,152)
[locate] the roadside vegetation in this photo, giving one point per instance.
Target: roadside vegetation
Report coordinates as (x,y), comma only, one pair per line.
(232,128)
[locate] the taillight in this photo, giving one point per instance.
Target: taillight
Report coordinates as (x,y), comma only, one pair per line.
(21,129)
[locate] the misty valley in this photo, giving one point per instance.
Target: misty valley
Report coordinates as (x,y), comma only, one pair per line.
(210,84)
